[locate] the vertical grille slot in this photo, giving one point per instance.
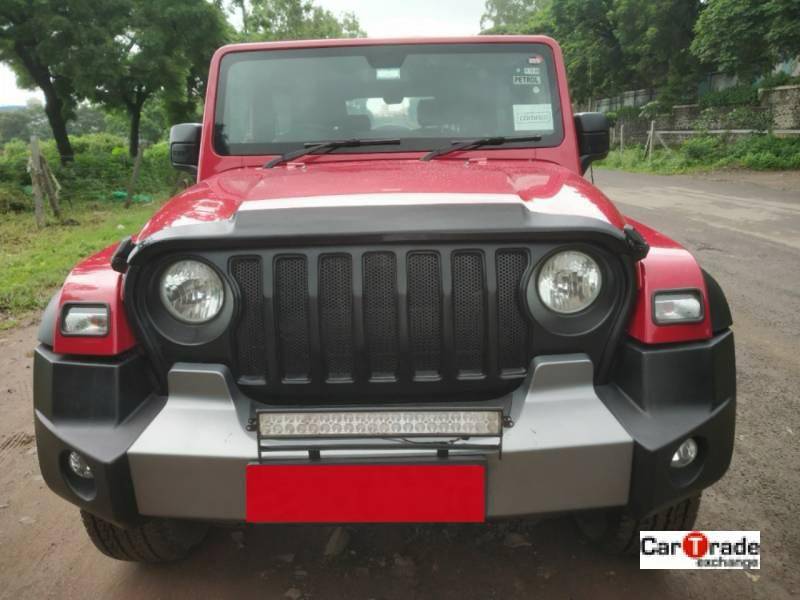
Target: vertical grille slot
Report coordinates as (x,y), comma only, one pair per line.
(512,327)
(425,313)
(336,316)
(251,347)
(291,289)
(469,312)
(380,313)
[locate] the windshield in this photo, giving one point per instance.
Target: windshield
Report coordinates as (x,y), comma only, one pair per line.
(272,102)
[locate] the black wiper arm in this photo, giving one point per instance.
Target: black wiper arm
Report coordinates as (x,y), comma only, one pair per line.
(486,141)
(312,147)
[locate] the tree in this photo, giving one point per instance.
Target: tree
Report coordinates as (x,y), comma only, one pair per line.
(45,42)
(296,20)
(747,37)
(610,45)
(655,38)
(510,16)
(156,49)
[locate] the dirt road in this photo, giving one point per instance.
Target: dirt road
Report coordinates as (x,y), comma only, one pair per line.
(745,233)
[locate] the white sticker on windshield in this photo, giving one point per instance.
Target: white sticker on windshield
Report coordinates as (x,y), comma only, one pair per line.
(533,117)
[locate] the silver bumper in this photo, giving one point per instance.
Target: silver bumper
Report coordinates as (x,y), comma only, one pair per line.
(565,450)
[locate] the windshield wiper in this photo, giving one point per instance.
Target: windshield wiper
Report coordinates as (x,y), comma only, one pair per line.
(312,147)
(485,141)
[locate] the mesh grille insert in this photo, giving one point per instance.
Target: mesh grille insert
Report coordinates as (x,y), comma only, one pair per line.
(425,312)
(469,312)
(380,313)
(251,345)
(336,315)
(291,289)
(512,327)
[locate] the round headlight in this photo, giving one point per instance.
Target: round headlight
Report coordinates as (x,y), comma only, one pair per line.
(569,282)
(192,291)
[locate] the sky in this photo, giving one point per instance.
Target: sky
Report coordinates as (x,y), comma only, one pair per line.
(379,18)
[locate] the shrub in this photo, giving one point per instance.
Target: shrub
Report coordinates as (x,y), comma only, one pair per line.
(628,113)
(738,95)
(101,166)
(702,149)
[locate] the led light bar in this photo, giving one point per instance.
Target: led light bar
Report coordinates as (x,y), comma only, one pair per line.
(85,320)
(677,307)
(380,423)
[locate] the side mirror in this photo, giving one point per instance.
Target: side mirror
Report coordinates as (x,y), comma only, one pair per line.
(184,146)
(593,137)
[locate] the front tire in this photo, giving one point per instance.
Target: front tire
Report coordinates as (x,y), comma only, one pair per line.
(617,532)
(154,541)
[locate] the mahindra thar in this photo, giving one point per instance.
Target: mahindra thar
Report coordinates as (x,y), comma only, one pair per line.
(390,296)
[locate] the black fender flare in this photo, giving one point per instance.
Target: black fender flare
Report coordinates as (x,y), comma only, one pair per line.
(718,305)
(47,328)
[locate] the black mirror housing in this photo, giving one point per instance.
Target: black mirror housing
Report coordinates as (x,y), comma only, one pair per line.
(184,146)
(594,140)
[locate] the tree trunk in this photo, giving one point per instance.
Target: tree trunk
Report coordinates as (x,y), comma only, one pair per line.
(135,112)
(54,104)
(58,124)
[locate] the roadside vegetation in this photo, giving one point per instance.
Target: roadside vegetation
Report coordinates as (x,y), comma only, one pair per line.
(33,262)
(707,153)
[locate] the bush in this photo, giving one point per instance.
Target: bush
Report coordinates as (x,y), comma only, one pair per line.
(738,95)
(758,152)
(702,149)
(628,113)
(101,166)
(777,79)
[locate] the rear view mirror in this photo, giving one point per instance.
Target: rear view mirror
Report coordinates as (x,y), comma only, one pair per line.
(184,146)
(593,137)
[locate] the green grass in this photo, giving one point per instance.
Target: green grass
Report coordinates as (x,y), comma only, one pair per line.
(33,262)
(707,153)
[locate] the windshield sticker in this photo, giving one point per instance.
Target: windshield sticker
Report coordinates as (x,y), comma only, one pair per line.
(387,73)
(532,71)
(536,59)
(527,80)
(533,117)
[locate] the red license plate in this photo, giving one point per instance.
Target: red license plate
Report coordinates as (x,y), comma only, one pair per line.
(366,493)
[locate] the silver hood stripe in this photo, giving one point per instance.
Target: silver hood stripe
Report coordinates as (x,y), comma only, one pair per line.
(380,199)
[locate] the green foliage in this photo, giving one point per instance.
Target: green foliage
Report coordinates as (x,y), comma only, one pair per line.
(610,45)
(777,79)
(294,20)
(738,95)
(747,37)
(48,43)
(151,47)
(101,165)
(704,153)
(628,113)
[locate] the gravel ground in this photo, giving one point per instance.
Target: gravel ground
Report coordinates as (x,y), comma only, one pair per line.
(744,230)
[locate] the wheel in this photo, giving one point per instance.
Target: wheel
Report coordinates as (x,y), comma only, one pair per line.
(617,532)
(155,541)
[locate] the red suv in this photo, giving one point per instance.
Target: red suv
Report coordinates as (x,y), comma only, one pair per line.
(390,296)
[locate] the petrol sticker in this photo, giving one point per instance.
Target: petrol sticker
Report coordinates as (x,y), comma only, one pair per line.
(527,80)
(533,117)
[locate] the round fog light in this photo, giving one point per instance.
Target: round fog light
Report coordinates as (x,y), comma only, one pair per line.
(685,454)
(79,466)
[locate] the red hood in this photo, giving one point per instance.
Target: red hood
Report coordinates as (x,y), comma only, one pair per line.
(549,188)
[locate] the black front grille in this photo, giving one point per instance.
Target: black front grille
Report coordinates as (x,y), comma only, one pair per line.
(377,317)
(291,289)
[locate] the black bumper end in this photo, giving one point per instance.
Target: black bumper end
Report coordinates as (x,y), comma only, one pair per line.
(97,409)
(662,396)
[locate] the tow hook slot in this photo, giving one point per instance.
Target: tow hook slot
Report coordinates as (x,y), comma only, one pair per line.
(636,242)
(119,260)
